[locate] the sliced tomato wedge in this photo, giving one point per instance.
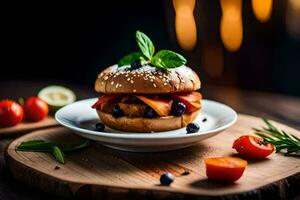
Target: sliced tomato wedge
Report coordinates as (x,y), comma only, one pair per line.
(161,106)
(227,169)
(191,100)
(103,99)
(253,147)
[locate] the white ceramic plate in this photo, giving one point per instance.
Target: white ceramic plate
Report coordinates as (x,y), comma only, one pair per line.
(81,119)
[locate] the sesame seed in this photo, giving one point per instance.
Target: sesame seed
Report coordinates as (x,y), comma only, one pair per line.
(154,85)
(112,83)
(131,81)
(134,90)
(128,79)
(106,77)
(165,83)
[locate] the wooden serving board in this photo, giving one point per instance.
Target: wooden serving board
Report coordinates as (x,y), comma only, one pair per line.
(101,172)
(24,127)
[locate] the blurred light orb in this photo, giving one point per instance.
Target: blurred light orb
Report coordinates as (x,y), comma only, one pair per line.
(262,9)
(231,26)
(185,25)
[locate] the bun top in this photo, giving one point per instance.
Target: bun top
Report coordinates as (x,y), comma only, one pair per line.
(146,80)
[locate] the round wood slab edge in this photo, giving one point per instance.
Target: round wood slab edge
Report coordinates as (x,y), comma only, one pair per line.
(68,188)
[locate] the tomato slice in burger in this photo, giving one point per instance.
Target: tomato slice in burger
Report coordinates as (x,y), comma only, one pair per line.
(103,99)
(253,147)
(191,100)
(227,169)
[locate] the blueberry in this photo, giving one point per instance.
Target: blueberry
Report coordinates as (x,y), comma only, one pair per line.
(117,112)
(100,127)
(192,128)
(149,112)
(136,64)
(178,108)
(166,178)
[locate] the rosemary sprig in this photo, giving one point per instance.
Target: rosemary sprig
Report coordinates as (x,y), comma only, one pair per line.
(279,138)
(57,149)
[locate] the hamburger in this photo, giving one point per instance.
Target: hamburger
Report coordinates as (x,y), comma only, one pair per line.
(148,92)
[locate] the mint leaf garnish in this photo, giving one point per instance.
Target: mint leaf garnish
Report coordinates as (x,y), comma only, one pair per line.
(130,58)
(145,44)
(163,59)
(168,59)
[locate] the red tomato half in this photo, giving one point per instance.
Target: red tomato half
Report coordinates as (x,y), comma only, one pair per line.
(252,147)
(227,169)
(11,113)
(35,109)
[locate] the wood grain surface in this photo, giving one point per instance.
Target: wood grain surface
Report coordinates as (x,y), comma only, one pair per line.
(25,127)
(101,172)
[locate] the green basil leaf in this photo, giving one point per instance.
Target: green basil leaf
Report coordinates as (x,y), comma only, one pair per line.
(58,154)
(130,58)
(168,59)
(145,44)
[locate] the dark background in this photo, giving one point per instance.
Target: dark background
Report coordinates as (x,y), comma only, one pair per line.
(73,43)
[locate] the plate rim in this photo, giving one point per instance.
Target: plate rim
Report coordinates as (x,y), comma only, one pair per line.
(136,136)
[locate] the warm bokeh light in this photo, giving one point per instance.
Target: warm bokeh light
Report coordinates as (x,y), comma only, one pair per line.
(231,27)
(185,25)
(262,9)
(293,18)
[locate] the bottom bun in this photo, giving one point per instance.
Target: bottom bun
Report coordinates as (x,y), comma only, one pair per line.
(148,125)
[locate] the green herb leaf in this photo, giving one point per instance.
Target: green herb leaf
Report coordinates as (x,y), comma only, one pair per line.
(58,154)
(145,44)
(36,145)
(31,142)
(168,59)
(279,138)
(130,58)
(21,101)
(55,148)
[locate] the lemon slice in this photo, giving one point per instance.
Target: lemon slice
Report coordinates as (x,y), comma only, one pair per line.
(57,96)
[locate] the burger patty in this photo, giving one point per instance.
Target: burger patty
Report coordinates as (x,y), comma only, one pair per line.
(133,110)
(129,109)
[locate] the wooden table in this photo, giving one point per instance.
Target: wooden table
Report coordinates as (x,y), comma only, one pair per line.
(277,107)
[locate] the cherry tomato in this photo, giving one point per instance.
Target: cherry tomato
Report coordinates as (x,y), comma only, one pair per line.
(253,147)
(228,169)
(35,109)
(11,113)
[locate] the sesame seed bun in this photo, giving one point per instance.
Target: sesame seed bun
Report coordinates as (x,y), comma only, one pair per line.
(147,125)
(146,80)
